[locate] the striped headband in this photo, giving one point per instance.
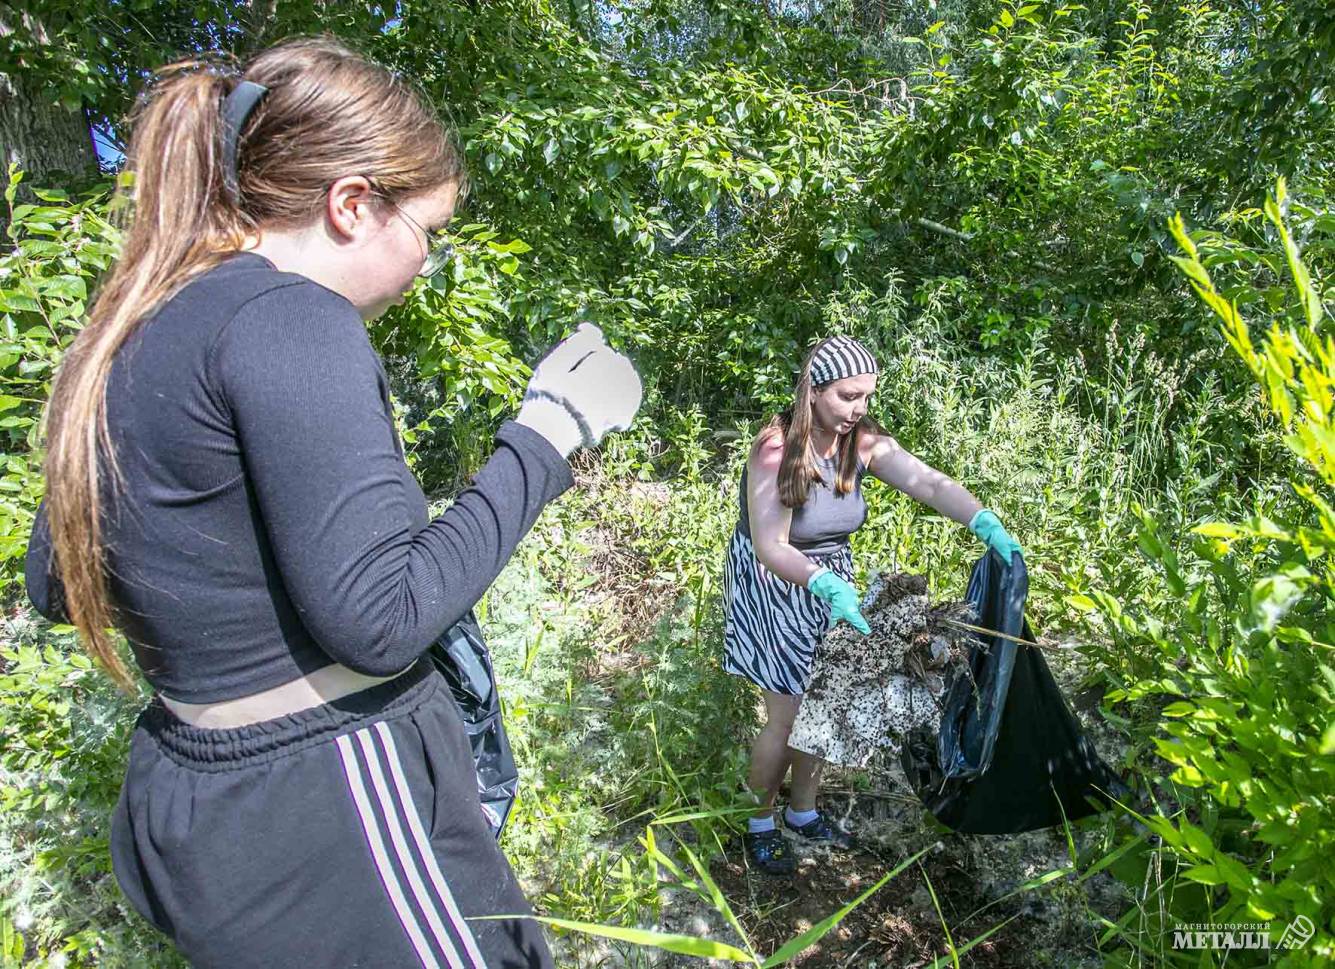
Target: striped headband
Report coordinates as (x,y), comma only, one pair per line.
(841,357)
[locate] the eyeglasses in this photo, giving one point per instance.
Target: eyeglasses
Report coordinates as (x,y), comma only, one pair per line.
(439,250)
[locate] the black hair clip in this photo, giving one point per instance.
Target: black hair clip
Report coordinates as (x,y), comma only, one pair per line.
(236,109)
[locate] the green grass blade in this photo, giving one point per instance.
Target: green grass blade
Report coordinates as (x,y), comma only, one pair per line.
(715,894)
(701,815)
(950,942)
(1120,930)
(956,953)
(793,946)
(687,945)
(654,852)
(531,653)
(1066,828)
(1111,857)
(1119,927)
(1038,882)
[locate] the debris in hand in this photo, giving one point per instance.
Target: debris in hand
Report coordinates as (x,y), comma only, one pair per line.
(867,693)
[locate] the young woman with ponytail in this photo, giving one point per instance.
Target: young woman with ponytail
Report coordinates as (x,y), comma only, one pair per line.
(789,570)
(225,486)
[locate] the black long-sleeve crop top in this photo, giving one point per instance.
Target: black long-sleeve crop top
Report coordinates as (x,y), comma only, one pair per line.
(268,524)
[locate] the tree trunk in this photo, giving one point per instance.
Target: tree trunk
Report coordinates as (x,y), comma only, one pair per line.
(42,137)
(51,145)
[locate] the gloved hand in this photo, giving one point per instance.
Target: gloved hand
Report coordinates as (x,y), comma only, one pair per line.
(987,526)
(841,596)
(581,390)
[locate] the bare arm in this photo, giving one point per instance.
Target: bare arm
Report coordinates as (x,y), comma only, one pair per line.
(898,468)
(770,519)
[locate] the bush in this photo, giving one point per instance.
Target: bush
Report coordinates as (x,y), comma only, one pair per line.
(1235,667)
(64,739)
(60,249)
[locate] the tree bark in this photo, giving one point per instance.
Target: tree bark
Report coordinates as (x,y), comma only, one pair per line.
(42,137)
(52,145)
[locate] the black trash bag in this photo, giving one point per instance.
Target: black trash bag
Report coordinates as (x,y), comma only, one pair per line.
(1009,755)
(461,656)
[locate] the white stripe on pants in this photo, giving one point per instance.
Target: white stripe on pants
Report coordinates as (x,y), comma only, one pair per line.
(384,810)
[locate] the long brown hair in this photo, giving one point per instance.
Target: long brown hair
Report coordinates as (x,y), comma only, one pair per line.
(328,113)
(797,469)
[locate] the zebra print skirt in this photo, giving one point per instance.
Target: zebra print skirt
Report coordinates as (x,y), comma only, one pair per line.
(771,628)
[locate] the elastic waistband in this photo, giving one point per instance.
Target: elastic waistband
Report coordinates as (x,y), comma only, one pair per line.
(205,748)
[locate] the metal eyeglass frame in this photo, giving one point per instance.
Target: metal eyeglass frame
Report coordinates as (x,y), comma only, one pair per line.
(439,250)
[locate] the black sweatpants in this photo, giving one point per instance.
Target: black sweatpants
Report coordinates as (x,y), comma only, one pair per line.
(346,835)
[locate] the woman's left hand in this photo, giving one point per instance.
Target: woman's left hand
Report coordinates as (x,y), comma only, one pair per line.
(842,597)
(987,526)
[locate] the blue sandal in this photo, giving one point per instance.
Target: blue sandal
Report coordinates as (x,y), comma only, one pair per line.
(768,851)
(822,831)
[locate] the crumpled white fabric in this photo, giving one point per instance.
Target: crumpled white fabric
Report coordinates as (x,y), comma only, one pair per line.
(867,693)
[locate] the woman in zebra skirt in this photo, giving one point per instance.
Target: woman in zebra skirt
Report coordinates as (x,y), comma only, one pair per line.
(789,571)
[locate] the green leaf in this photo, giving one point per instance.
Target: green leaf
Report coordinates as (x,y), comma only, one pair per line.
(1309,298)
(715,894)
(1219,530)
(1082,602)
(1165,830)
(1234,872)
(1178,229)
(1271,599)
(687,945)
(1205,874)
(1197,840)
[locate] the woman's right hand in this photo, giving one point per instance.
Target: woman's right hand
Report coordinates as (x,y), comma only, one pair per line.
(580,391)
(841,596)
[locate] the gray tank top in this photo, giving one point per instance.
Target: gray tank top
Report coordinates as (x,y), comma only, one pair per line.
(823,524)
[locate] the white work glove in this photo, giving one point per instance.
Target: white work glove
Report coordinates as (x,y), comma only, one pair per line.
(581,390)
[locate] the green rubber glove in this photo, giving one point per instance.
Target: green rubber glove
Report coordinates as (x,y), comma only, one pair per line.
(987,526)
(841,596)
